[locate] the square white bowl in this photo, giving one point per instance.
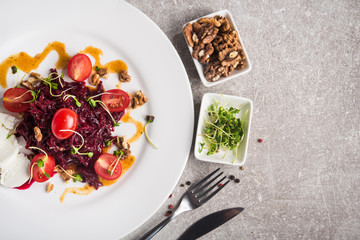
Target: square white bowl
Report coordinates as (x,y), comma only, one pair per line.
(200,67)
(245,115)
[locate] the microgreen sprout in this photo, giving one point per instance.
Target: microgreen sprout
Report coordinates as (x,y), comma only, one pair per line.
(73,97)
(97,68)
(53,85)
(111,171)
(11,131)
(34,94)
(149,119)
(93,103)
(75,177)
(14,69)
(40,164)
(108,143)
(202,146)
(118,153)
(223,130)
(75,150)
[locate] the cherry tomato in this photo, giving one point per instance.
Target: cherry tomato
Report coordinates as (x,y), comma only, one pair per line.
(42,167)
(103,168)
(79,67)
(64,119)
(16,99)
(116,100)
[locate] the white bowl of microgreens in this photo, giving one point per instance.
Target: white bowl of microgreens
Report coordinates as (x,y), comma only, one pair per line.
(223,129)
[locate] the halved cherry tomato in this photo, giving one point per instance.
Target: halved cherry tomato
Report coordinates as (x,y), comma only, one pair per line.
(104,170)
(42,167)
(17,99)
(79,67)
(64,119)
(116,100)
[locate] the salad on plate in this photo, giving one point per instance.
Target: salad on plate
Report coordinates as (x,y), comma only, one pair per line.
(67,121)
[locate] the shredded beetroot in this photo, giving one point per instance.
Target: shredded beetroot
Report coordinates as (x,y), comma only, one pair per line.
(95,125)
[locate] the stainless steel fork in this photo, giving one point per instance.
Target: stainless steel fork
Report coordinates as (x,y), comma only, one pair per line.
(195,197)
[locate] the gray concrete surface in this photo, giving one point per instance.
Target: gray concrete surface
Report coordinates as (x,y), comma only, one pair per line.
(302,181)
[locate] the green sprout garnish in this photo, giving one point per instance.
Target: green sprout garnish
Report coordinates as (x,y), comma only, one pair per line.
(40,163)
(111,171)
(118,153)
(93,103)
(75,150)
(202,145)
(73,97)
(14,69)
(149,119)
(97,68)
(75,177)
(223,130)
(33,94)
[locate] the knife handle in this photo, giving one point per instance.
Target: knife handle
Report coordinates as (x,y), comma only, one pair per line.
(151,233)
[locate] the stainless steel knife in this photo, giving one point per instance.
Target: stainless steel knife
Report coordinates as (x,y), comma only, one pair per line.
(209,223)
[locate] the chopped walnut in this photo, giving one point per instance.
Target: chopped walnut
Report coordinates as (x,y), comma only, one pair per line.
(196,27)
(212,21)
(203,52)
(38,135)
(123,146)
(188,34)
(138,99)
(103,72)
(28,85)
(70,170)
(95,79)
(124,76)
(49,187)
(207,33)
(224,23)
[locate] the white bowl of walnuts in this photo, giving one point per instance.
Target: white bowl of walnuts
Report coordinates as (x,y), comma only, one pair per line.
(216,47)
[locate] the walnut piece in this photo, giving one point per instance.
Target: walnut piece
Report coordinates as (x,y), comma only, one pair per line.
(28,85)
(188,34)
(207,33)
(138,99)
(49,187)
(212,21)
(103,72)
(38,135)
(123,146)
(203,52)
(95,79)
(70,170)
(124,76)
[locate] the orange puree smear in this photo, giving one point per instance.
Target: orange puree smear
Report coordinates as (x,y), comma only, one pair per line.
(139,127)
(85,190)
(125,164)
(113,67)
(27,63)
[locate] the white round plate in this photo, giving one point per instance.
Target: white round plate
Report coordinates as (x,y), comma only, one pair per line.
(122,32)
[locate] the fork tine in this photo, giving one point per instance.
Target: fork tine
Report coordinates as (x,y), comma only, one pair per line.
(213,193)
(212,187)
(204,179)
(206,185)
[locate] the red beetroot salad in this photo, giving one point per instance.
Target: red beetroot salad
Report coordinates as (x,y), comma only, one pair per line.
(95,125)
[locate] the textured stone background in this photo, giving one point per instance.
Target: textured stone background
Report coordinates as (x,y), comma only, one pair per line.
(303,181)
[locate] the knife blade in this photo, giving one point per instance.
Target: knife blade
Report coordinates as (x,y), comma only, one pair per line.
(209,223)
